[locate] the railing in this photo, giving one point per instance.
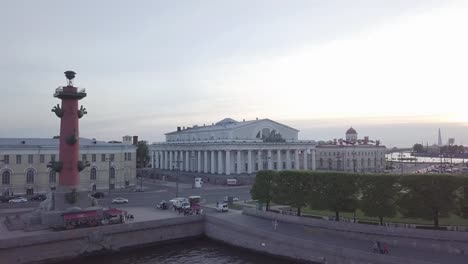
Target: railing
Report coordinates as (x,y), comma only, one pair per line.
(60,90)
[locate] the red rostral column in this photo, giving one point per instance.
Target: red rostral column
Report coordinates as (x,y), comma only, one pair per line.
(69,165)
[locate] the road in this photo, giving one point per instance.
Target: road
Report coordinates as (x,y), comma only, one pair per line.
(338,239)
(154,192)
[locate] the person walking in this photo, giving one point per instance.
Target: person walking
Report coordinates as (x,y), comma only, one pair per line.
(385,248)
(375,247)
(275,224)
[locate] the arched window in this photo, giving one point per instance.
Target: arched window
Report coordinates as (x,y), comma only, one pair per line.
(30,176)
(330,164)
(6,177)
(52,176)
(112,173)
(92,175)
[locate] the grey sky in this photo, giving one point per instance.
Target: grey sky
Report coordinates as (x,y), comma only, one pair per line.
(149,66)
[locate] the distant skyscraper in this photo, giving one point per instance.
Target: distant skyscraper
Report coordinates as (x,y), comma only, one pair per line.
(440,139)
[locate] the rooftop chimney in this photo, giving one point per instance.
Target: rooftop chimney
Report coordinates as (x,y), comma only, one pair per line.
(135,140)
(178,128)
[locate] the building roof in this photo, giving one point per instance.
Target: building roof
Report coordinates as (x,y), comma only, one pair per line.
(225,124)
(351,130)
(12,142)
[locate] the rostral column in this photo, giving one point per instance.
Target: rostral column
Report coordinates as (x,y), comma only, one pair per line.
(69,164)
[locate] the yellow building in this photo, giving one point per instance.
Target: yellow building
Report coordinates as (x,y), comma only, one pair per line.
(23,165)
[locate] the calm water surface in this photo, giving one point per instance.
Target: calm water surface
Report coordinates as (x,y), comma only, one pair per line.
(194,251)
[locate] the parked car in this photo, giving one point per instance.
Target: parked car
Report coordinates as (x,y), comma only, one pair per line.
(18,200)
(5,199)
(98,195)
(163,205)
(222,207)
(235,199)
(119,200)
(38,197)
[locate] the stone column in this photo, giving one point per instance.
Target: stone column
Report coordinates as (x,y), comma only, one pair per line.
(212,161)
(220,162)
(152,159)
(187,160)
(164,160)
(180,161)
(228,162)
(305,160)
(249,162)
(259,160)
(199,161)
(313,159)
(205,161)
(239,162)
(288,159)
(269,160)
(296,159)
(278,162)
(171,164)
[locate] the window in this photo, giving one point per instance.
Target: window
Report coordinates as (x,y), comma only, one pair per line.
(256,166)
(93,157)
(330,164)
(18,159)
(92,175)
(275,165)
(112,157)
(83,157)
(30,159)
(125,156)
(284,165)
(292,165)
(103,157)
(6,159)
(246,167)
(6,177)
(347,163)
(321,162)
(42,158)
(29,191)
(111,186)
(30,176)
(362,162)
(52,157)
(129,156)
(369,162)
(52,176)
(112,173)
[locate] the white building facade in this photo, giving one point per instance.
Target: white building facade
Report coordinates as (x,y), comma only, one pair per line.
(24,170)
(231,147)
(351,154)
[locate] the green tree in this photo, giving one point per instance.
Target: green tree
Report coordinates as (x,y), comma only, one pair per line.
(418,148)
(262,188)
(334,191)
(429,196)
(379,195)
(142,154)
(291,188)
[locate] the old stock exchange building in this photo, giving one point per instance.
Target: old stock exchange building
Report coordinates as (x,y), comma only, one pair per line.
(234,147)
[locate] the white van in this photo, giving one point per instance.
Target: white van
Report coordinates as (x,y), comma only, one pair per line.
(222,207)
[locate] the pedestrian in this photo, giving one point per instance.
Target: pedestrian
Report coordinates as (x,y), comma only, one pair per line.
(217,204)
(375,247)
(275,224)
(379,246)
(385,248)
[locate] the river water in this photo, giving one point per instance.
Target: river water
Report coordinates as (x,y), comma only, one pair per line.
(197,251)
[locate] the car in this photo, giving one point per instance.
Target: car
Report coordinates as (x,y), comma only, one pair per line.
(163,205)
(38,197)
(222,207)
(98,195)
(139,190)
(18,200)
(119,200)
(235,199)
(5,199)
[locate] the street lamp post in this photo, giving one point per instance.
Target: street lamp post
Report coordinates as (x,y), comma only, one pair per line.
(177,163)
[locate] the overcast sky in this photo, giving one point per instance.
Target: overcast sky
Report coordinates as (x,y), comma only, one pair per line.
(394,70)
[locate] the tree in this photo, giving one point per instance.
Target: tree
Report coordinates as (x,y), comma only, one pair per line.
(142,154)
(418,148)
(262,188)
(291,188)
(429,196)
(379,194)
(334,191)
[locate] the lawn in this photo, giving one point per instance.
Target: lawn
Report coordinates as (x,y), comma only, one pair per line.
(453,220)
